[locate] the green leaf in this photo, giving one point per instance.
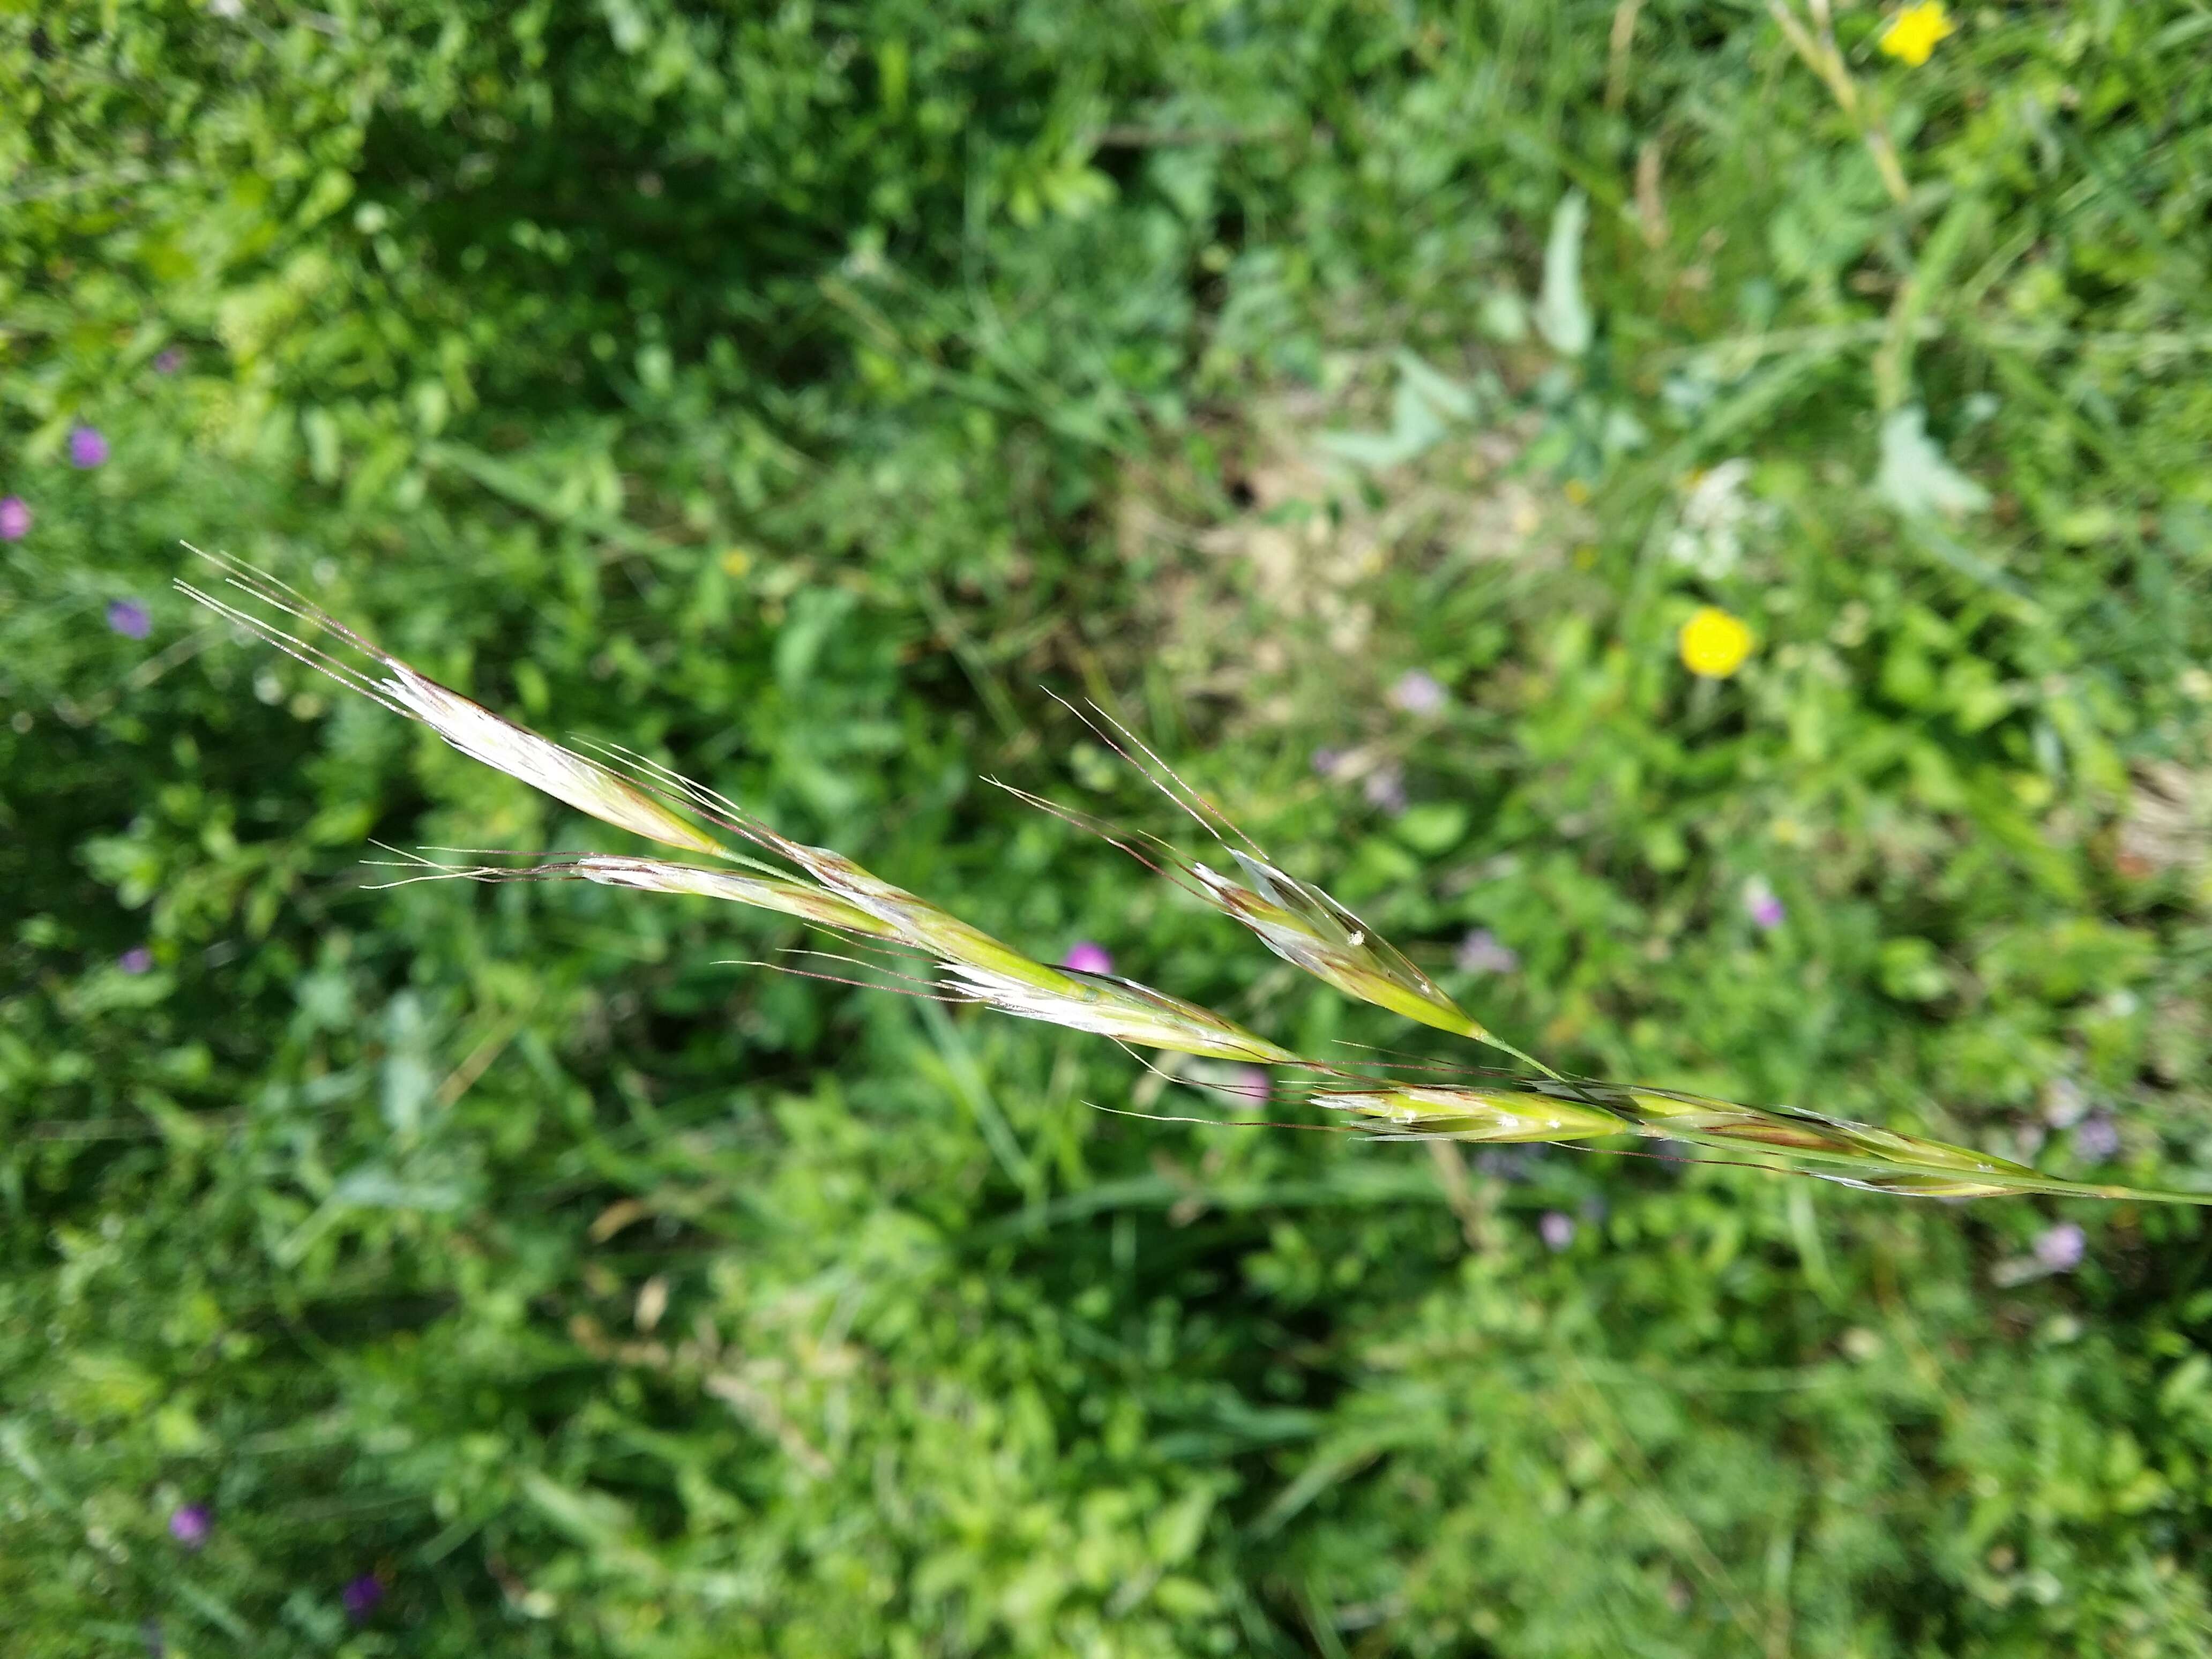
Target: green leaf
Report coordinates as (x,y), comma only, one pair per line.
(1562,315)
(1915,478)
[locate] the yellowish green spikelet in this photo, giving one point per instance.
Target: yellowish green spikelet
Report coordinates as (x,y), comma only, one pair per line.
(1099,1003)
(1308,929)
(469,727)
(779,893)
(1788,1138)
(1474,1113)
(973,964)
(915,921)
(1295,919)
(540,763)
(1120,1009)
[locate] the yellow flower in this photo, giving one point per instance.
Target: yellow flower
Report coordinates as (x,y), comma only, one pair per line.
(1713,643)
(1912,33)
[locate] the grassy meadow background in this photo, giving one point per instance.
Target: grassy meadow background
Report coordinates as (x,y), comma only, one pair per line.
(1356,396)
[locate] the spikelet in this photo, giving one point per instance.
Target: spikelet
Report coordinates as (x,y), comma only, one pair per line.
(897,915)
(972,962)
(1458,1112)
(540,763)
(1904,1184)
(1308,929)
(1788,1139)
(1815,1138)
(779,893)
(545,765)
(914,921)
(1117,1008)
(1295,919)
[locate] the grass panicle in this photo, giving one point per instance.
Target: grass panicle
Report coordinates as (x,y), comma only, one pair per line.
(1297,922)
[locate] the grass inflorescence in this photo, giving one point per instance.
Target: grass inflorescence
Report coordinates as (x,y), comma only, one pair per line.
(1298,922)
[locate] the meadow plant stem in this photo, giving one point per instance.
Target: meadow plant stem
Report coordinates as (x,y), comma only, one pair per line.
(1816,45)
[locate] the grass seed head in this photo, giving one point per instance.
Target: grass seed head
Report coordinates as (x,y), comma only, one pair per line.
(1300,924)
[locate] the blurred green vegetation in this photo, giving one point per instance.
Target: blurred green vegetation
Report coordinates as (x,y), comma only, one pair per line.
(793,392)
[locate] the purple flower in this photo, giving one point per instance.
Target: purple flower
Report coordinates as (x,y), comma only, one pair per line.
(2061,1247)
(1327,760)
(1479,952)
(2097,1138)
(1761,904)
(1558,1228)
(360,1597)
(2063,1102)
(1086,958)
(137,960)
(169,361)
(15,519)
(130,618)
(1418,693)
(88,447)
(1250,1082)
(190,1524)
(1386,788)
